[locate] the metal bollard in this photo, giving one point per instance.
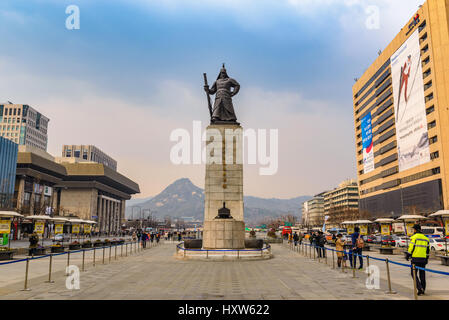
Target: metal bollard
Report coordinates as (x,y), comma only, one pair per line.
(103,254)
(25,287)
(95,249)
(388,278)
(207,254)
(115,258)
(367,260)
(415,290)
(238,254)
(333,259)
(353,264)
(68,261)
(314,254)
(110,249)
(49,269)
(82,265)
(121,250)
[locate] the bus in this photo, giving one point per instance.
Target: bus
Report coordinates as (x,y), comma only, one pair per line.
(286,230)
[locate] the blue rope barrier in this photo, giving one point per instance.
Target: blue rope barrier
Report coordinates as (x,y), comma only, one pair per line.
(14,261)
(433,271)
(379,259)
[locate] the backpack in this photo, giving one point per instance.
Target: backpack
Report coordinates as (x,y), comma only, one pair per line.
(360,243)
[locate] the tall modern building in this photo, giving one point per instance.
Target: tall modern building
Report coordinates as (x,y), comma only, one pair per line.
(401,119)
(342,203)
(88,153)
(8,160)
(23,125)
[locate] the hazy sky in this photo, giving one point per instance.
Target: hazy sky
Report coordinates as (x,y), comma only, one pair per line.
(133,72)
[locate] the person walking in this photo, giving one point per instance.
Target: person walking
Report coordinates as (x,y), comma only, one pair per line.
(300,237)
(296,239)
(357,246)
(321,242)
(340,248)
(315,242)
(418,251)
(139,235)
(144,238)
(34,240)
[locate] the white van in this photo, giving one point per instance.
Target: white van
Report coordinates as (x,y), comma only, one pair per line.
(432,232)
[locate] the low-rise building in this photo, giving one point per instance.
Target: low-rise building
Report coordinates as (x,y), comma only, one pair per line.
(90,191)
(313,211)
(88,153)
(342,203)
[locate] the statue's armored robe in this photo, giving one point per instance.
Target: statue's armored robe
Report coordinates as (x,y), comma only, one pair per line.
(223,108)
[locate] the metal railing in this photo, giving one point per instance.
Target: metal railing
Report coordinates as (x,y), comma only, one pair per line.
(306,250)
(131,247)
(267,249)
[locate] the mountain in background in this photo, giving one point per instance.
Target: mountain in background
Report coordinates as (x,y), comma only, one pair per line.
(182,199)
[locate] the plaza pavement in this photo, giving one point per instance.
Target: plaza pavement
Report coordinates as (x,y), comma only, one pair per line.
(156,274)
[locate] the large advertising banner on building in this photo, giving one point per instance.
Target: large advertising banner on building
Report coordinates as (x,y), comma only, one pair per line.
(409,105)
(367,140)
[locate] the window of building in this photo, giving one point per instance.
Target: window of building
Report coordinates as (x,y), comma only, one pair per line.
(432,124)
(434,155)
(430,109)
(422,26)
(433,140)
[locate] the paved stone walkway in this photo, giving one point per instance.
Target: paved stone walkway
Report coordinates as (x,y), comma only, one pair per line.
(156,274)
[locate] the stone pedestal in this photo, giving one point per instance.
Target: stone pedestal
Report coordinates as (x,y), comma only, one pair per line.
(224,171)
(224,184)
(224,234)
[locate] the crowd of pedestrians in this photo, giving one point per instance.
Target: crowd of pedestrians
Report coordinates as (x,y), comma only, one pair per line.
(155,236)
(418,251)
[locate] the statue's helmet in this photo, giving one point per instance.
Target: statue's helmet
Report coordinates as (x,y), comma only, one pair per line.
(223,74)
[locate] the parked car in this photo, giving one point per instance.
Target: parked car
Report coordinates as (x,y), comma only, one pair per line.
(437,244)
(61,237)
(346,239)
(377,239)
(388,241)
(371,239)
(402,242)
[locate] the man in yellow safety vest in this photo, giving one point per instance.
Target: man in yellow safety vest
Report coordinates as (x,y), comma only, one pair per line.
(419,250)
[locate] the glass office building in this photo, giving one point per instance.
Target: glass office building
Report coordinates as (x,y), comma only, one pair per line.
(8,163)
